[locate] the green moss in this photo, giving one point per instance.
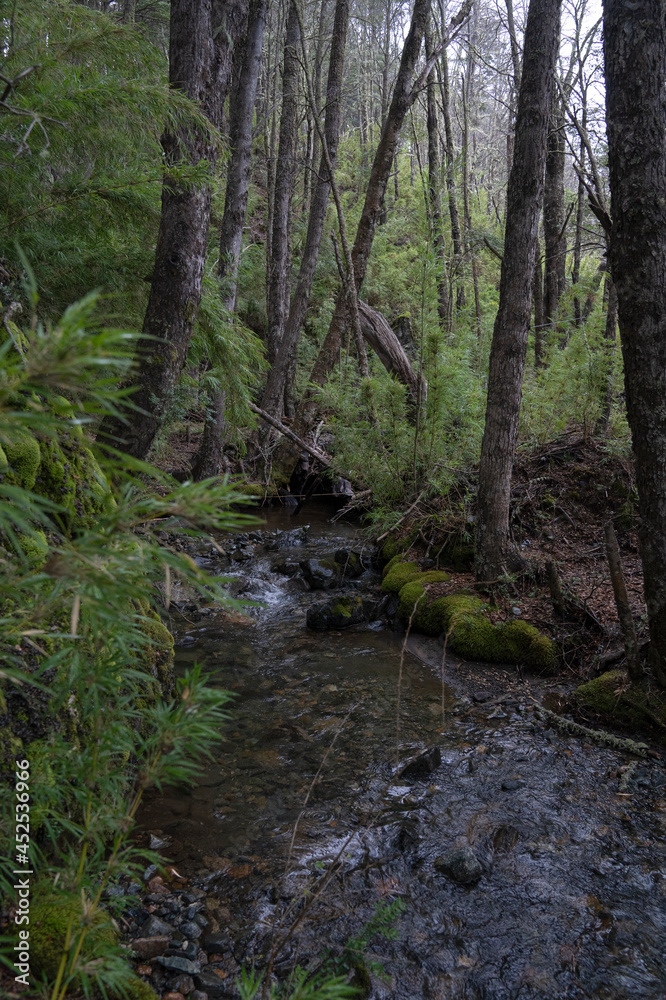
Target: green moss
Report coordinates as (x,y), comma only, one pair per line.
(4,464)
(391,563)
(137,989)
(609,696)
(50,917)
(457,555)
(35,547)
(70,474)
(158,656)
(343,606)
(393,547)
(525,644)
(398,576)
(434,617)
(23,458)
(255,490)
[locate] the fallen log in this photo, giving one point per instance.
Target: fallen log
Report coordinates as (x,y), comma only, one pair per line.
(319,455)
(381,338)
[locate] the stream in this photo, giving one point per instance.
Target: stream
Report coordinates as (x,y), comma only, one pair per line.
(571,899)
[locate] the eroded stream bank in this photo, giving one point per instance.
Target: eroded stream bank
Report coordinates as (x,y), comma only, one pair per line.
(571,902)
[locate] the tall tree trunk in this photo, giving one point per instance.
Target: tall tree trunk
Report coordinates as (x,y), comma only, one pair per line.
(275,386)
(450,179)
(175,290)
(495,553)
(279,267)
(539,319)
(635,69)
(209,458)
(553,217)
(434,179)
(609,345)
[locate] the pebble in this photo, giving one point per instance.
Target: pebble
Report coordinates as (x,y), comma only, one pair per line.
(150,947)
(144,970)
(173,996)
(178,963)
(154,927)
(211,984)
(184,984)
(198,995)
(191,930)
(512,785)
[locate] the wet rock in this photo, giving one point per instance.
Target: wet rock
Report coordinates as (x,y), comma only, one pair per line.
(350,563)
(150,947)
(154,927)
(211,984)
(183,984)
(173,995)
(460,864)
(178,964)
(321,574)
(285,567)
(337,614)
(218,943)
(188,949)
(198,995)
(423,765)
(191,930)
(512,785)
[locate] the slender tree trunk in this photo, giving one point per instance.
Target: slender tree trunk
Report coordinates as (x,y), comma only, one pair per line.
(275,386)
(209,459)
(635,69)
(434,179)
(553,217)
(279,267)
(495,553)
(609,345)
(175,290)
(539,320)
(450,179)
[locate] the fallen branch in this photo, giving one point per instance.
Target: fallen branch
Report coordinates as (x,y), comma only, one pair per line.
(290,434)
(400,520)
(597,735)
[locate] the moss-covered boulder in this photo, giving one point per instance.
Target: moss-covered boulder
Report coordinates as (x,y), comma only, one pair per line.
(471,634)
(339,613)
(23,459)
(50,917)
(70,474)
(610,696)
(398,575)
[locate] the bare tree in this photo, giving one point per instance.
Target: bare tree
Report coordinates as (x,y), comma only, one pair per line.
(635,69)
(495,553)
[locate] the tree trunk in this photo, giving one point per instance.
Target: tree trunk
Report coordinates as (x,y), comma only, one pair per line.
(434,179)
(209,459)
(450,177)
(275,386)
(609,345)
(635,69)
(553,217)
(539,320)
(495,553)
(389,350)
(279,266)
(175,290)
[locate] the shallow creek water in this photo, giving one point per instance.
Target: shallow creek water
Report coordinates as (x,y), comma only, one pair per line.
(572,900)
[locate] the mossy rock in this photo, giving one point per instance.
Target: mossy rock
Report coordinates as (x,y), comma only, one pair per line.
(255,490)
(391,563)
(70,475)
(399,574)
(158,655)
(137,989)
(336,614)
(471,634)
(609,697)
(23,458)
(50,916)
(391,548)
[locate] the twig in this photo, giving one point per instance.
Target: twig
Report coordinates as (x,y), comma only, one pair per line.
(290,434)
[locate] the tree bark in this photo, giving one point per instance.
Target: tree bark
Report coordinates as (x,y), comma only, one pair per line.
(635,70)
(609,345)
(175,290)
(634,668)
(434,197)
(539,319)
(384,342)
(495,553)
(553,217)
(279,266)
(275,386)
(450,177)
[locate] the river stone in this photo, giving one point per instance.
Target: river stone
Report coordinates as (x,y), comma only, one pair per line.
(350,563)
(154,927)
(183,984)
(321,574)
(423,765)
(211,984)
(340,613)
(198,995)
(191,930)
(150,947)
(178,964)
(512,785)
(461,864)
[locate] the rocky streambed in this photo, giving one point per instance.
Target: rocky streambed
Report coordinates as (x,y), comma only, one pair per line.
(511,859)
